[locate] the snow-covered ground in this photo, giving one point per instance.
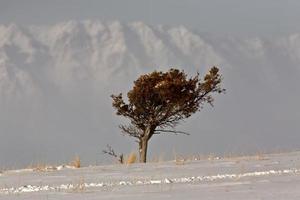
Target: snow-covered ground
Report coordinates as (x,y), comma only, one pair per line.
(274,176)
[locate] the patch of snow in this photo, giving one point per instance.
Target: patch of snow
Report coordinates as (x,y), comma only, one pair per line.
(168,180)
(155,182)
(35,188)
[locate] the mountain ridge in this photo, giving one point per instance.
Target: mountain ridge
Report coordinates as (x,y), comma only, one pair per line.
(55,82)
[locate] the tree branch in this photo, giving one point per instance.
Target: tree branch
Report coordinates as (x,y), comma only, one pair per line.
(112,153)
(131,131)
(171,131)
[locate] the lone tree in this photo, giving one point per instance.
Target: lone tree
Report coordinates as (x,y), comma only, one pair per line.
(160,100)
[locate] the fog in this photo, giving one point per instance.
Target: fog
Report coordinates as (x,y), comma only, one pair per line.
(56,82)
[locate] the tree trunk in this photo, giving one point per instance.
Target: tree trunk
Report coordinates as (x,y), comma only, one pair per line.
(143,145)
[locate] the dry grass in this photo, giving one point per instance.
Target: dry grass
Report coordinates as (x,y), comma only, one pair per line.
(179,159)
(238,158)
(41,167)
(183,159)
(210,157)
(158,159)
(131,158)
(76,162)
(4,169)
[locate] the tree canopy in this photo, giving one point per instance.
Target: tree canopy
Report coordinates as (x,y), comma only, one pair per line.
(160,100)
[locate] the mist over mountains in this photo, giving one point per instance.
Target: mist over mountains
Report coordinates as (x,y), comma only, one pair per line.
(55,83)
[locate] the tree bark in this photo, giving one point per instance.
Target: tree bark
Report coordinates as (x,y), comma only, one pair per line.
(143,143)
(143,146)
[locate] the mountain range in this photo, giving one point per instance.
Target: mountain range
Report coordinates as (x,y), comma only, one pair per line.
(55,83)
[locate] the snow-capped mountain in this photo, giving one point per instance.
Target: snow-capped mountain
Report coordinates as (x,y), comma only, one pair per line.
(71,52)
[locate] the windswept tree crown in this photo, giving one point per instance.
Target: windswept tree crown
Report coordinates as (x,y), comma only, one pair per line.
(162,99)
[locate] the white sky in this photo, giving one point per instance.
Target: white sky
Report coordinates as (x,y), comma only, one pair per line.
(222,16)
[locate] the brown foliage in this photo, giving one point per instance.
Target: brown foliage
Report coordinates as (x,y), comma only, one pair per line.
(162,99)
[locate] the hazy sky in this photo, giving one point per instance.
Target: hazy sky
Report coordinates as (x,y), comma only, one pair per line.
(229,16)
(56,77)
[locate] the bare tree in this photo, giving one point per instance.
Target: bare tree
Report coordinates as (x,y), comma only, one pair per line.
(111,152)
(160,100)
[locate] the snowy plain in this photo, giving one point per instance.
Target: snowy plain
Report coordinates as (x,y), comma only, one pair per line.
(270,176)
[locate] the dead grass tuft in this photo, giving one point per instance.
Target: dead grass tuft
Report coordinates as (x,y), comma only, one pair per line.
(41,167)
(131,158)
(76,162)
(179,160)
